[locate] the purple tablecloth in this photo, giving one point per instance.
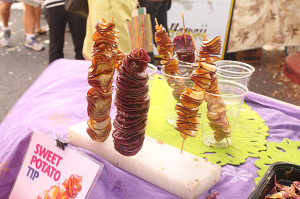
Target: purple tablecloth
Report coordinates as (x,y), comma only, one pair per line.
(57,100)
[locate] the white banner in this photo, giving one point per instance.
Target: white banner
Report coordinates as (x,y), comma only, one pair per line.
(210,17)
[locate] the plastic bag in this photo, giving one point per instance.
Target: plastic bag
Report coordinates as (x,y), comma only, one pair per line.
(141,22)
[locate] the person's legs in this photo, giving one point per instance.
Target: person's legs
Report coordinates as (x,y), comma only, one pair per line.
(37,13)
(38,29)
(163,19)
(77,26)
(5,14)
(153,15)
(29,19)
(56,19)
(29,23)
(162,16)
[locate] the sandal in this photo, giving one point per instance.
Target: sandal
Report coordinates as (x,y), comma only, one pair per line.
(41,32)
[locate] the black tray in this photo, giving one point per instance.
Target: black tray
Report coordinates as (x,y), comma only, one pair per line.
(285,172)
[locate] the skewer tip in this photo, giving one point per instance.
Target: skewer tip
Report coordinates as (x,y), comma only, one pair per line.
(140,41)
(156,21)
(194,43)
(183,29)
(204,37)
(182,146)
(227,142)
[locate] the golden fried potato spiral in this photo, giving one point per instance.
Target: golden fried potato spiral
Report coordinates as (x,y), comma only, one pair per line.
(170,65)
(163,42)
(100,77)
(205,79)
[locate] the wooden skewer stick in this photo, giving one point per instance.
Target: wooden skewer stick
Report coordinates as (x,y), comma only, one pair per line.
(136,31)
(140,41)
(182,145)
(157,25)
(183,29)
(194,43)
(112,19)
(227,142)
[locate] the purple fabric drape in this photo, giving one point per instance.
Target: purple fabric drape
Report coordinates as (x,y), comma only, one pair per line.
(57,100)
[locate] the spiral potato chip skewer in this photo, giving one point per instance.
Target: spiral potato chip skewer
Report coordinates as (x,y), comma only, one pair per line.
(188,118)
(163,42)
(100,77)
(216,108)
(120,57)
(170,65)
(132,102)
(205,79)
(216,112)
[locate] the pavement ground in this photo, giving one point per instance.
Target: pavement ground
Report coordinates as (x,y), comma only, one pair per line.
(20,67)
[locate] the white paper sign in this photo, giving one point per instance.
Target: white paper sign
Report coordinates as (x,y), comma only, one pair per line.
(47,169)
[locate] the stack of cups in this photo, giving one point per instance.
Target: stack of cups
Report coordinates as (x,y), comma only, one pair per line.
(233,79)
(234,71)
(232,95)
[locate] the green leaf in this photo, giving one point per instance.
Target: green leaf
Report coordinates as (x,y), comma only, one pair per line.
(286,151)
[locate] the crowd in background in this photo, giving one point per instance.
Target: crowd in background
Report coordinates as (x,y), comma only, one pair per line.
(81,27)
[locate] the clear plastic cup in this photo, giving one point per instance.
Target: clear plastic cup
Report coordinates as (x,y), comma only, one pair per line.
(174,86)
(188,64)
(233,95)
(234,71)
(151,70)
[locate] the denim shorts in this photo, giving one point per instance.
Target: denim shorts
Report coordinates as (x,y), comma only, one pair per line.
(31,2)
(11,1)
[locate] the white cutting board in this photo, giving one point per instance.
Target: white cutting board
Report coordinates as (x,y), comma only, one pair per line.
(184,175)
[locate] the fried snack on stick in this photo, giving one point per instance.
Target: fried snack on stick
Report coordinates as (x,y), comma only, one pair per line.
(216,108)
(188,118)
(216,112)
(120,57)
(187,122)
(68,189)
(100,77)
(205,81)
(132,102)
(184,48)
(170,65)
(163,42)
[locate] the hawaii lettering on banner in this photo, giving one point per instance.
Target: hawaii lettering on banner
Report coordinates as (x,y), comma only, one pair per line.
(176,30)
(212,18)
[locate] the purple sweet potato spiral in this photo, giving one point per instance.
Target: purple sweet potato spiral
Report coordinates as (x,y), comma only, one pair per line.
(132,102)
